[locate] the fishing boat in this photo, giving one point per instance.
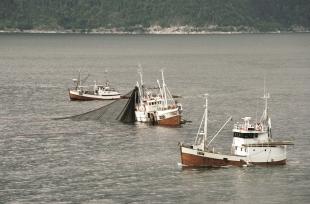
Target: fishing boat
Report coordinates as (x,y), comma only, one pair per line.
(252,144)
(92,92)
(157,108)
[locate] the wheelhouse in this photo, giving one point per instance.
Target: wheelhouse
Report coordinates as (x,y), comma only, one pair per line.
(245,135)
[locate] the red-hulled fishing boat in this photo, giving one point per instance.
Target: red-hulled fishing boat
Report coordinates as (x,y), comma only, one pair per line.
(252,144)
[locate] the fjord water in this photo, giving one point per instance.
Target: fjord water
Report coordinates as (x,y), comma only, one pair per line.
(63,161)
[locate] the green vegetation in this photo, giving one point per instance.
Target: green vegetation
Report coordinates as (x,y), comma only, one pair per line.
(136,15)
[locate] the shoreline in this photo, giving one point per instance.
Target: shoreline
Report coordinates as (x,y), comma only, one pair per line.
(146,32)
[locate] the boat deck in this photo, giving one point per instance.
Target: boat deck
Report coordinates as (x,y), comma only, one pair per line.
(269,144)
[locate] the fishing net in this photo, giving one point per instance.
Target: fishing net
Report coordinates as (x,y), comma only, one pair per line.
(122,110)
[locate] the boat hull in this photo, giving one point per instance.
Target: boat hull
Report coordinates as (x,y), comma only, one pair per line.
(165,119)
(195,158)
(172,121)
(75,96)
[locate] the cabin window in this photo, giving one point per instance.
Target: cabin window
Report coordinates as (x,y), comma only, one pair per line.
(265,150)
(241,148)
(253,150)
(236,147)
(245,135)
(245,149)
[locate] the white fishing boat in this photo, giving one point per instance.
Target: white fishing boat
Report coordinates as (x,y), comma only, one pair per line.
(252,144)
(92,92)
(157,108)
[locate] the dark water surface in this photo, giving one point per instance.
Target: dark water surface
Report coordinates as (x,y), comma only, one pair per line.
(63,161)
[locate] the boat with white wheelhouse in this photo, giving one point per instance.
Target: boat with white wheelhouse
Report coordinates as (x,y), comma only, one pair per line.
(252,145)
(81,92)
(157,108)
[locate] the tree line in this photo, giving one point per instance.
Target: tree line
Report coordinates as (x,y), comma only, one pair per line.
(262,15)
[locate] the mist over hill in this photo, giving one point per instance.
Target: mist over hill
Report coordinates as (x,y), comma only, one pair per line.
(151,16)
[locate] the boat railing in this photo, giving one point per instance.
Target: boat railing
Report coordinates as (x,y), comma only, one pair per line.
(253,127)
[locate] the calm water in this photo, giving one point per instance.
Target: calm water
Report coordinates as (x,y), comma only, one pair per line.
(63,161)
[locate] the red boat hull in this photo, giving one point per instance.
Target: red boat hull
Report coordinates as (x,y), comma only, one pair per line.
(172,121)
(197,161)
(190,160)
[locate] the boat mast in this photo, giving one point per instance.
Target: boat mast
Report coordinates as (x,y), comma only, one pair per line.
(164,88)
(106,77)
(141,77)
(138,85)
(160,89)
(266,96)
(79,79)
(205,130)
(265,117)
(140,70)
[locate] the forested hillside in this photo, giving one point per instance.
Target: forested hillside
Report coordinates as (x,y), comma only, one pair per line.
(131,15)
